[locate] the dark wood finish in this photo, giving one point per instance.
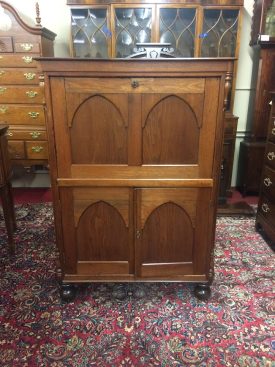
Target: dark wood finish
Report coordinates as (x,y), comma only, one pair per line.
(252,149)
(264,43)
(251,158)
(235,209)
(265,220)
(21,96)
(230,129)
(259,28)
(134,205)
(265,83)
(6,189)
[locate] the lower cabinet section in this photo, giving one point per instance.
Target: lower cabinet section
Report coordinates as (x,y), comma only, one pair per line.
(136,234)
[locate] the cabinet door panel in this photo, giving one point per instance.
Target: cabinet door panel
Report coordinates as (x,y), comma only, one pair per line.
(99,231)
(99,128)
(167,121)
(168,232)
(178,26)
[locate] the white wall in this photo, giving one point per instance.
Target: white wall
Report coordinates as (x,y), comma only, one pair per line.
(245,83)
(56,17)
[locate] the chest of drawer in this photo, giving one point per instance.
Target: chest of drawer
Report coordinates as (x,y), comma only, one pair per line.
(26,46)
(6,44)
(36,150)
(24,133)
(21,94)
(16,149)
(271,129)
(22,114)
(18,76)
(268,182)
(267,209)
(18,60)
(270,155)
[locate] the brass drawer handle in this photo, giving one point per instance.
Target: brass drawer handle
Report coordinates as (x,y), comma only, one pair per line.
(33,115)
(27,59)
(9,133)
(2,90)
(37,149)
(2,72)
(270,156)
(3,109)
(26,46)
(138,234)
(35,134)
(29,76)
(31,94)
(135,84)
(267,182)
(265,208)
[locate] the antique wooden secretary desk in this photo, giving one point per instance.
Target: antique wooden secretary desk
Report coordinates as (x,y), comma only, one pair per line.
(135,154)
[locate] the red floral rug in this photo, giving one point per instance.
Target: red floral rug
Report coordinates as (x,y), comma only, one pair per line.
(132,325)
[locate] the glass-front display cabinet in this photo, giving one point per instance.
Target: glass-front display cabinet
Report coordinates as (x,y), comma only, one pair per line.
(109,29)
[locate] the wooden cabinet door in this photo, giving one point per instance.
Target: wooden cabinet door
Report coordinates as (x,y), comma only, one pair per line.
(97,231)
(172,233)
(92,124)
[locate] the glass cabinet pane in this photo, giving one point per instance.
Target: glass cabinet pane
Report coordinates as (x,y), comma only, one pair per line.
(132,26)
(177,26)
(270,20)
(219,35)
(90,32)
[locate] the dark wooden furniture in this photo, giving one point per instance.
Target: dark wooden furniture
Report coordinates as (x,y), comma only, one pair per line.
(5,187)
(113,29)
(252,149)
(265,220)
(135,154)
(230,130)
(21,97)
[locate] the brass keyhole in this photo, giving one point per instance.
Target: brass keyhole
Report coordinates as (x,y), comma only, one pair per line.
(135,84)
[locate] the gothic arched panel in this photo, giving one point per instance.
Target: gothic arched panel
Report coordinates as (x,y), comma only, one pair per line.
(171,133)
(102,234)
(98,133)
(167,236)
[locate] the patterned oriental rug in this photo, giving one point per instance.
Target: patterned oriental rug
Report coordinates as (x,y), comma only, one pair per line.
(132,325)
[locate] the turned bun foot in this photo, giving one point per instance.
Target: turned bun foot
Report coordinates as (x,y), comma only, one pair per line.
(67,292)
(202,292)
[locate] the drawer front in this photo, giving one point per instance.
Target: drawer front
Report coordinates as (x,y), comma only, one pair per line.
(268,182)
(135,85)
(37,150)
(18,76)
(36,133)
(271,130)
(16,149)
(19,60)
(6,44)
(267,209)
(270,155)
(26,47)
(19,115)
(20,94)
